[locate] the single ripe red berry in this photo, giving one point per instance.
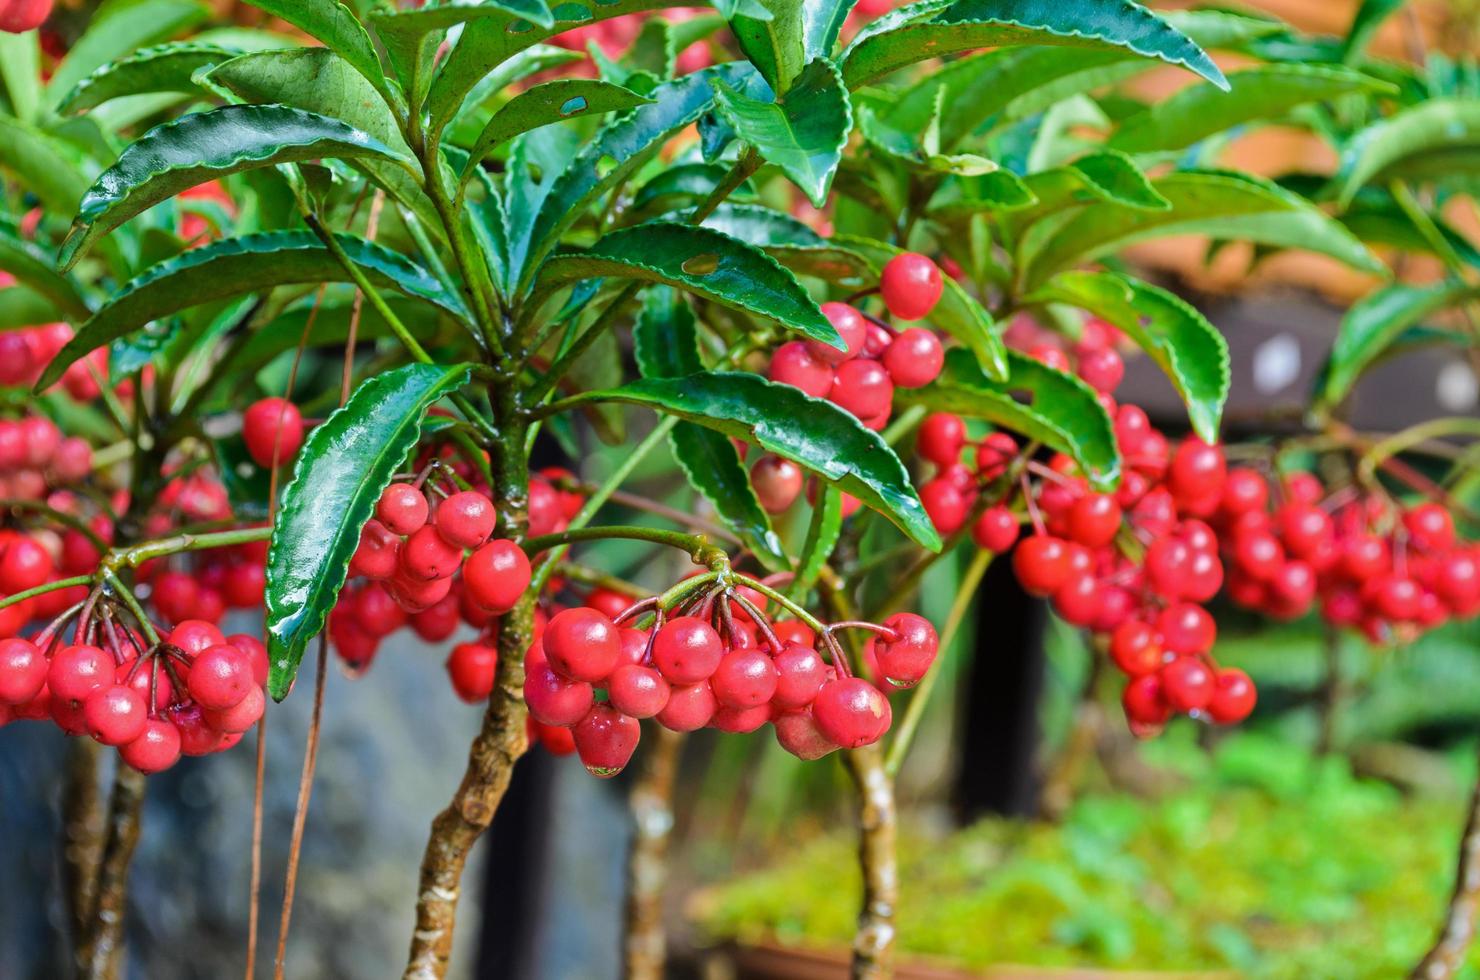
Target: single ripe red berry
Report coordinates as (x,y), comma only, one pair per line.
(1197,471)
(941,439)
(1258,553)
(777,482)
(471,668)
(851,712)
(797,733)
(155,749)
(994,453)
(1145,703)
(1041,564)
(744,679)
(496,575)
(20,16)
(552,699)
(800,674)
(582,644)
(23,670)
(690,707)
(1135,647)
(465,519)
(606,739)
(687,650)
(115,715)
(1078,601)
(946,504)
(637,690)
(740,721)
(862,387)
(1187,684)
(402,508)
(238,718)
(905,659)
(1397,599)
(793,364)
(197,737)
(426,556)
(1363,556)
(1187,628)
(1094,520)
(378,554)
(995,530)
(273,430)
(791,632)
(220,677)
(1101,368)
(78,671)
(1304,528)
(1233,697)
(850,325)
(1430,527)
(911,285)
(915,358)
(25,564)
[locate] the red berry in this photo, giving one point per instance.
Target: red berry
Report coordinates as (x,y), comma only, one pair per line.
(471,668)
(911,285)
(238,718)
(850,325)
(220,677)
(1244,492)
(687,650)
(636,690)
(1233,697)
(790,632)
(1041,564)
(20,16)
(915,358)
(23,670)
(800,674)
(794,365)
(78,671)
(552,699)
(1397,599)
(740,721)
(465,519)
(863,388)
(1364,556)
(941,439)
(1197,471)
(378,554)
(115,715)
(690,707)
(1135,646)
(1094,520)
(1187,684)
(994,453)
(273,430)
(496,575)
(25,564)
(996,530)
(777,482)
(1077,601)
(1187,628)
(606,739)
(1144,702)
(582,644)
(945,504)
(195,636)
(1304,528)
(1101,368)
(797,733)
(155,749)
(744,679)
(1430,526)
(851,712)
(1258,554)
(434,624)
(905,659)
(402,508)
(426,556)
(197,737)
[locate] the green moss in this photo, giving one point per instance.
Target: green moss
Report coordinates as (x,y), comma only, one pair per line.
(1271,863)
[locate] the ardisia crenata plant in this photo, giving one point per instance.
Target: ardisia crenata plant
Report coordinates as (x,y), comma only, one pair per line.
(313,308)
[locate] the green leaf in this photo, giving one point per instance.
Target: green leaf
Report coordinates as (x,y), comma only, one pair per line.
(1432,138)
(1262,94)
(958,313)
(206,146)
(1177,337)
(119,30)
(617,151)
(330,328)
(43,164)
(20,72)
(666,345)
(823,532)
(34,267)
(1384,223)
(804,133)
(813,433)
(340,473)
(337,27)
(702,261)
(162,68)
(780,37)
(691,180)
(1376,321)
(1365,22)
(22,306)
(1060,411)
(762,227)
(237,266)
(549,103)
(1224,204)
(465,127)
(970,24)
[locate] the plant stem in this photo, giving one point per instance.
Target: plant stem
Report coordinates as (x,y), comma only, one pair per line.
(1446,957)
(61,583)
(696,545)
(651,806)
(899,746)
(873,942)
(300,811)
(82,831)
(101,952)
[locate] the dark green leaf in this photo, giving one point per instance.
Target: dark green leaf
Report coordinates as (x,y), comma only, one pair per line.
(163,68)
(207,146)
(34,267)
(1434,138)
(330,329)
(1058,409)
(1176,336)
(691,180)
(781,36)
(119,30)
(803,134)
(1262,94)
(334,24)
(700,260)
(340,473)
(235,267)
(762,226)
(44,165)
(815,434)
(970,24)
(549,103)
(1374,323)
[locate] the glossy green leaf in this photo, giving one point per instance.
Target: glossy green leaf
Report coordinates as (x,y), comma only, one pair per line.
(666,345)
(762,227)
(1177,337)
(780,37)
(958,313)
(120,29)
(702,261)
(803,134)
(551,102)
(43,163)
(208,146)
(970,24)
(1384,223)
(30,265)
(1223,204)
(1056,409)
(344,466)
(1376,321)
(162,68)
(483,100)
(815,434)
(1433,138)
(235,267)
(337,27)
(617,151)
(691,180)
(823,531)
(1262,94)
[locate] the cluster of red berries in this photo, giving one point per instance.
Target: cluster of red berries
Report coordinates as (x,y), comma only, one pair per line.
(721,664)
(1390,572)
(193,693)
(26,352)
(35,457)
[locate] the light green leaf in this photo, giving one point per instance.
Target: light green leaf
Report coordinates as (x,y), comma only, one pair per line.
(119,30)
(32,266)
(43,163)
(337,27)
(1434,139)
